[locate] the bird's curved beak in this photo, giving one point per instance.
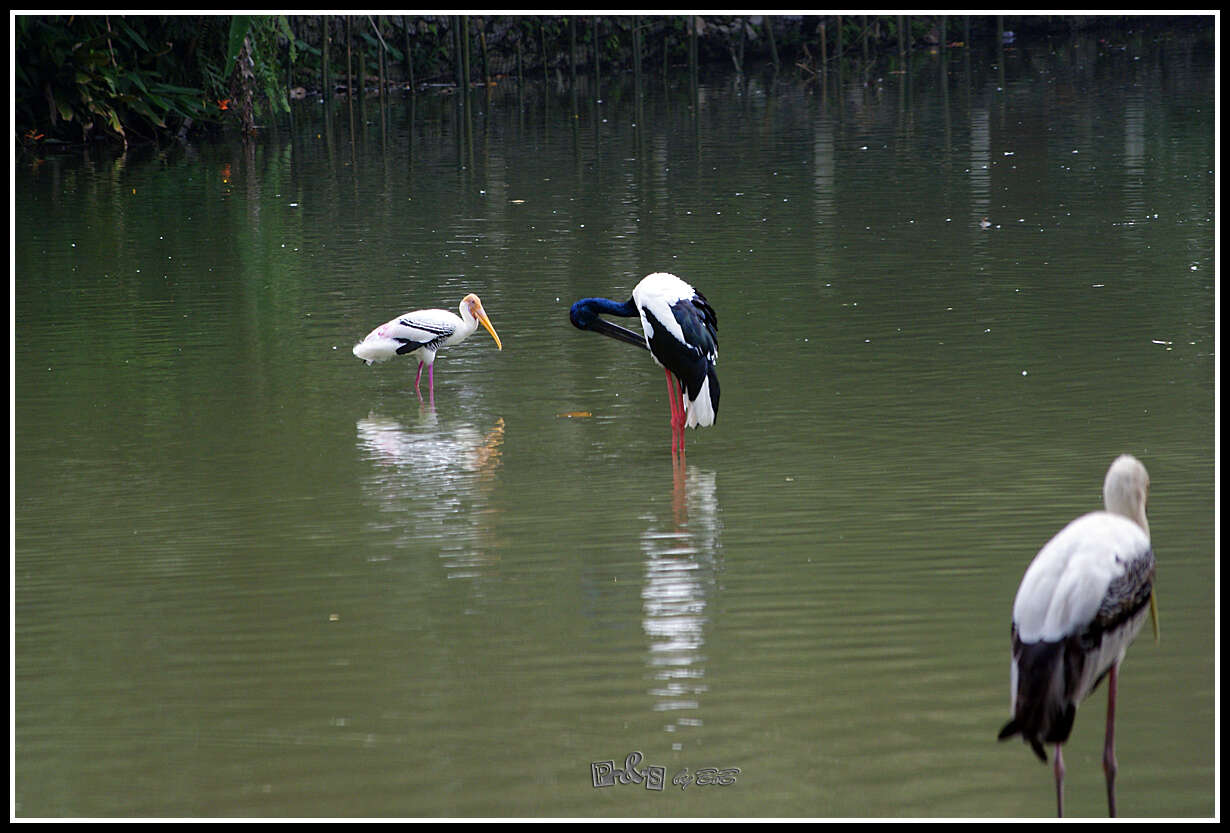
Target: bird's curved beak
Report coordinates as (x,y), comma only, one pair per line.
(486,322)
(1157,633)
(601,325)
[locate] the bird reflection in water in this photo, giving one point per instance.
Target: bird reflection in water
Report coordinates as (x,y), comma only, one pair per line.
(681,563)
(434,483)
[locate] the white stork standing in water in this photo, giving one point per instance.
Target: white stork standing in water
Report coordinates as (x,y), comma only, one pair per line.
(421,334)
(1080,605)
(680,333)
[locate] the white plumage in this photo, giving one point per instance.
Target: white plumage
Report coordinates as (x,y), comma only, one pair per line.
(656,297)
(421,334)
(1082,601)
(1068,581)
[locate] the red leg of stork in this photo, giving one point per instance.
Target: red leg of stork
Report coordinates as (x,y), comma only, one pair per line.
(676,415)
(417,377)
(1109,765)
(1059,771)
(674,402)
(683,415)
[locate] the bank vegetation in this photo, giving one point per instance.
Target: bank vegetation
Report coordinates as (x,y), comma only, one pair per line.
(133,78)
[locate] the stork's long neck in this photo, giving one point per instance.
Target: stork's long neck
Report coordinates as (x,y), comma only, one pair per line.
(1128,500)
(468,324)
(586,309)
(586,314)
(1135,513)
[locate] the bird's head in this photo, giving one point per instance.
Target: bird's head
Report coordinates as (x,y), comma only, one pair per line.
(472,308)
(586,315)
(1126,490)
(582,314)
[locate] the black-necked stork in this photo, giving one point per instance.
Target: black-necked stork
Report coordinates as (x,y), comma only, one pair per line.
(1081,603)
(422,333)
(680,332)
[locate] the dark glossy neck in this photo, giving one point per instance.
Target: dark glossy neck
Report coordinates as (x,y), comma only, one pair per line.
(586,314)
(585,311)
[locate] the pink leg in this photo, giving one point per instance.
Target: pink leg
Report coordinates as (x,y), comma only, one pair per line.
(431,381)
(679,411)
(678,417)
(1059,771)
(1109,765)
(683,416)
(675,422)
(418,376)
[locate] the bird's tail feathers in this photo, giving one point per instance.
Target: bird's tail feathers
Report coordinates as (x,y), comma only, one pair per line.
(1012,727)
(1044,703)
(376,349)
(702,409)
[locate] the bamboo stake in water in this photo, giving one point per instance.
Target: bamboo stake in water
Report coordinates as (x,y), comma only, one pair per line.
(824,45)
(542,31)
(572,49)
(901,36)
(324,58)
(350,84)
(405,27)
(482,42)
(593,36)
(768,25)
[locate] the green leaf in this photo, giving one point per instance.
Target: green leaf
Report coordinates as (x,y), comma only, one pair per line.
(92,58)
(170,89)
(136,80)
(96,43)
(241,24)
(136,38)
(144,109)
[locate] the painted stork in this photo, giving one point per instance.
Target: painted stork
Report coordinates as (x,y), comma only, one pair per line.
(1080,605)
(680,333)
(421,334)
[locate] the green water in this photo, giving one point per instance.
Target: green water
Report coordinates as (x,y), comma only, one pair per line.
(254,577)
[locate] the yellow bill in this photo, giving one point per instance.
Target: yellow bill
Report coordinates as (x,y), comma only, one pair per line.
(486,322)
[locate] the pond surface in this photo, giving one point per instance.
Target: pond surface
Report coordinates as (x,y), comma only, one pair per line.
(254,577)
